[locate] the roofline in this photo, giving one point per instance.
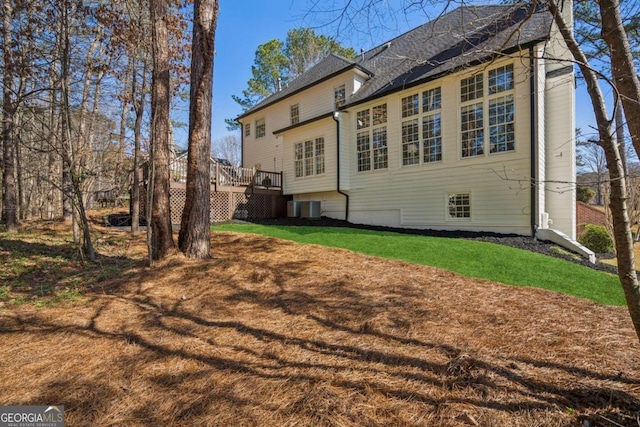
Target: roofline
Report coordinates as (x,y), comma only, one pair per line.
(304,123)
(444,73)
(303,88)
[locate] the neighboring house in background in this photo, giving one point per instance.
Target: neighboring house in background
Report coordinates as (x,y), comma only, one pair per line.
(464,123)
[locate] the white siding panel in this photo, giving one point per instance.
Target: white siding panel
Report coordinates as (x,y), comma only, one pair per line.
(415,196)
(325,128)
(560,155)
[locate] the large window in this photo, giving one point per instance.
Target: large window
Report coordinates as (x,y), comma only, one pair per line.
(491,113)
(295,114)
(308,157)
(421,134)
(261,128)
(371,139)
(459,206)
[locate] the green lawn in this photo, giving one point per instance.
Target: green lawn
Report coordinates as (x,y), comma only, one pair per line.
(470,258)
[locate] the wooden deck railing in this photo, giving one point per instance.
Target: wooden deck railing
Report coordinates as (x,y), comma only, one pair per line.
(231,175)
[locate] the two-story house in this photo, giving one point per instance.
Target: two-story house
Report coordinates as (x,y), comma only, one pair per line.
(464,123)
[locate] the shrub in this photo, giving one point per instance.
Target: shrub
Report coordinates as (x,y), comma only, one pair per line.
(596,238)
(585,194)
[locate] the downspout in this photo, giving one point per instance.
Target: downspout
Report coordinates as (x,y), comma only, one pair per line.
(335,116)
(241,144)
(534,142)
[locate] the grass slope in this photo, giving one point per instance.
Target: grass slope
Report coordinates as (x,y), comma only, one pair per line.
(470,258)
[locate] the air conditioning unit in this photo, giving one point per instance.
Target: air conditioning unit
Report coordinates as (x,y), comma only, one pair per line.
(310,210)
(293,208)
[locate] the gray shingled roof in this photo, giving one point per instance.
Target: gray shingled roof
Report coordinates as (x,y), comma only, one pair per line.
(462,37)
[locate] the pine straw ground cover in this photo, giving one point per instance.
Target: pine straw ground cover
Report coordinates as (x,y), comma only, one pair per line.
(273,333)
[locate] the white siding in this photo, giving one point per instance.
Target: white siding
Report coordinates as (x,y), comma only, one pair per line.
(541,136)
(313,102)
(416,196)
(325,128)
(561,174)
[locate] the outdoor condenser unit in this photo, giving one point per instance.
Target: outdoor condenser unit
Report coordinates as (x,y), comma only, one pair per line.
(293,209)
(310,210)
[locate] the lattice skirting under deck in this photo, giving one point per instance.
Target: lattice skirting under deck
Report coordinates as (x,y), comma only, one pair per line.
(225,206)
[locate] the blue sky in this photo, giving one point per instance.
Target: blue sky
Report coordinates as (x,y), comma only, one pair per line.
(243,25)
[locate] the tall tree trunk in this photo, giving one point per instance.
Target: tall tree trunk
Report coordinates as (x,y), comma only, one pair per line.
(195,233)
(139,101)
(622,66)
(161,233)
(65,128)
(9,196)
(618,200)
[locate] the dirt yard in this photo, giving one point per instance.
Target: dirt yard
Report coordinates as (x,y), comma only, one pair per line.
(273,333)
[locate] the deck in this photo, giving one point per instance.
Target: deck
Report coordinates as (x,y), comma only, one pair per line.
(236,192)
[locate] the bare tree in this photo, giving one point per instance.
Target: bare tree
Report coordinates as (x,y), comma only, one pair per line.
(594,164)
(9,196)
(195,233)
(607,140)
(161,240)
(228,147)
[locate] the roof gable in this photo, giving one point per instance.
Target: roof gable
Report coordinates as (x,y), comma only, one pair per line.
(328,67)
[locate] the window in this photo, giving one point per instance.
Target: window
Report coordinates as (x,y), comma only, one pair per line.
(501,130)
(431,138)
(380,158)
(371,140)
(427,127)
(247,129)
(363,119)
(308,157)
(410,143)
(498,105)
(459,206)
(472,130)
(431,100)
(298,154)
(339,96)
(471,88)
(501,79)
(364,152)
(295,114)
(410,106)
(261,128)
(319,156)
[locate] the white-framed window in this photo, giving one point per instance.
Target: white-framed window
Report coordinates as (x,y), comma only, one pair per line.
(410,105)
(298,156)
(261,128)
(459,206)
(247,129)
(432,138)
(422,135)
(410,143)
(489,114)
(339,96)
(308,157)
(319,155)
(295,114)
(371,138)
